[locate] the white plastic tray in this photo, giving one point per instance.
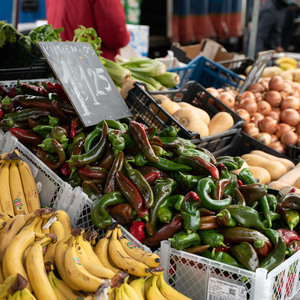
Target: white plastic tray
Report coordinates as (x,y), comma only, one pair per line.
(202,278)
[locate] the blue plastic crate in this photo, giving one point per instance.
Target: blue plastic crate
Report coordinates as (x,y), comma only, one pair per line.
(208,73)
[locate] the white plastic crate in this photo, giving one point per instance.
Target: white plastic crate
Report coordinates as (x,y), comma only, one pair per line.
(202,278)
(51,187)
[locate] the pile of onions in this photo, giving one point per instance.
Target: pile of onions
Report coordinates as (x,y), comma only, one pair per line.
(271,110)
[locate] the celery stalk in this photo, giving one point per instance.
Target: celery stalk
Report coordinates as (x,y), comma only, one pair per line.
(149,86)
(169,79)
(156,84)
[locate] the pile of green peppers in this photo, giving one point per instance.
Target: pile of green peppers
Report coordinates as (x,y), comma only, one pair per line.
(156,184)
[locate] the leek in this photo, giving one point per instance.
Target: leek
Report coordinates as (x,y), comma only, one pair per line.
(147,67)
(156,84)
(169,79)
(149,86)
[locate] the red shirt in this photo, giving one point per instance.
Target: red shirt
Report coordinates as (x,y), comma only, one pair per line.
(106,16)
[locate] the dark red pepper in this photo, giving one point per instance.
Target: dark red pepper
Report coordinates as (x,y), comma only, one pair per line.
(137,230)
(151,177)
(293,247)
(57,112)
(26,136)
(239,181)
(289,235)
(261,248)
(165,232)
(1,113)
(12,92)
(58,89)
(132,194)
(147,169)
(35,89)
(75,125)
(123,213)
(222,249)
(92,172)
(65,170)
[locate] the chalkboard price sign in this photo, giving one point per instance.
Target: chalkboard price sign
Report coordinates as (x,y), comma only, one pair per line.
(85,80)
(257,68)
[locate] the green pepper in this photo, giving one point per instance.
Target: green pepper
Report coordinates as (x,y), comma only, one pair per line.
(274,216)
(186,181)
(90,138)
(186,142)
(232,163)
(117,141)
(246,176)
(220,186)
(225,258)
(53,121)
(182,240)
(59,133)
(47,145)
(207,254)
(91,189)
(112,124)
(79,136)
(289,201)
(277,255)
(93,155)
(74,181)
(99,215)
(291,218)
(170,131)
(165,210)
(204,188)
(245,253)
(224,218)
(43,130)
(253,191)
(161,192)
(212,238)
(159,151)
(238,197)
(272,200)
(190,212)
(141,184)
(246,216)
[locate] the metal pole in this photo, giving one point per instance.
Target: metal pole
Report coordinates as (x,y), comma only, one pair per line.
(15,14)
(169,18)
(253,29)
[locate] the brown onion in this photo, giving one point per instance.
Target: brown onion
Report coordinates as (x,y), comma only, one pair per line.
(289,138)
(258,96)
(282,128)
(249,104)
(256,87)
(265,82)
(290,116)
(298,129)
(246,95)
(214,93)
(274,98)
(256,117)
(267,124)
(263,107)
(274,138)
(276,83)
(277,146)
(227,99)
(288,88)
(251,129)
(265,138)
(290,102)
(243,114)
(274,114)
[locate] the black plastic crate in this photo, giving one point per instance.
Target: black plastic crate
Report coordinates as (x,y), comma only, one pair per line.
(293,152)
(238,65)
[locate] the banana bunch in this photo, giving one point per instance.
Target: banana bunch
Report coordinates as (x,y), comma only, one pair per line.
(15,287)
(19,194)
(286,63)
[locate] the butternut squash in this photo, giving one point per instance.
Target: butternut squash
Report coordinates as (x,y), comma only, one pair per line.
(275,168)
(202,113)
(191,121)
(297,183)
(220,122)
(237,171)
(165,102)
(288,163)
(278,185)
(291,176)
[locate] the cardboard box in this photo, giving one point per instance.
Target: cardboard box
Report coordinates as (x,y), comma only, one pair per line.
(207,47)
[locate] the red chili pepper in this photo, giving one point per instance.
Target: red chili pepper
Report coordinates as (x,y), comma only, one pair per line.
(261,248)
(36,89)
(1,113)
(58,89)
(65,170)
(26,136)
(75,125)
(293,190)
(151,177)
(137,230)
(222,249)
(92,172)
(132,194)
(289,235)
(58,112)
(12,92)
(240,183)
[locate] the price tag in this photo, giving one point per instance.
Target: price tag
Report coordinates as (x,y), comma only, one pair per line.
(85,80)
(257,68)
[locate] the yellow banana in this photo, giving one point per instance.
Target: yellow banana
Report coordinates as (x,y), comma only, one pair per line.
(91,262)
(5,286)
(16,189)
(139,287)
(4,216)
(59,258)
(123,293)
(101,250)
(130,291)
(1,275)
(286,59)
(26,295)
(62,289)
(31,226)
(122,260)
(168,291)
(58,229)
(111,294)
(13,257)
(11,229)
(38,225)
(36,271)
(29,186)
(153,292)
(152,260)
(63,217)
(5,195)
(118,293)
(76,271)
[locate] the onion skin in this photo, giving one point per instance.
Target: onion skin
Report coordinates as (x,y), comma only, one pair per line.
(246,95)
(298,129)
(214,93)
(282,128)
(265,138)
(276,83)
(244,115)
(289,138)
(278,147)
(251,129)
(290,102)
(256,117)
(227,99)
(274,138)
(249,104)
(256,87)
(290,116)
(274,114)
(268,124)
(274,98)
(264,107)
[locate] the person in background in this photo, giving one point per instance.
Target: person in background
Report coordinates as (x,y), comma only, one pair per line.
(106,16)
(269,31)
